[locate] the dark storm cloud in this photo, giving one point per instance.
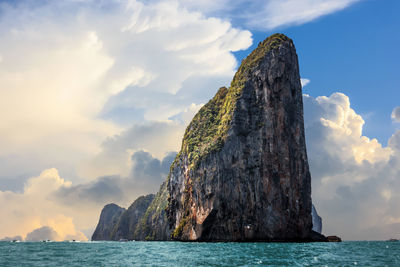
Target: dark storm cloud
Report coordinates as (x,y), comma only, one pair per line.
(145,167)
(146,176)
(103,189)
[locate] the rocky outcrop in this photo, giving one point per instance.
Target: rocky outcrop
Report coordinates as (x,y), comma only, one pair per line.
(154,225)
(108,219)
(333,238)
(242,173)
(128,221)
(316,221)
(116,223)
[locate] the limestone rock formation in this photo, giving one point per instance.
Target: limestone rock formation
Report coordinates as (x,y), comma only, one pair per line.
(242,173)
(116,223)
(128,221)
(154,225)
(108,219)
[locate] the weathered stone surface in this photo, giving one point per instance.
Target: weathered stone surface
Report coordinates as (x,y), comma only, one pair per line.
(108,219)
(128,221)
(242,173)
(316,220)
(116,223)
(153,225)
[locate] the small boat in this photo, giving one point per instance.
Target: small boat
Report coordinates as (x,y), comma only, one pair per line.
(123,240)
(393,240)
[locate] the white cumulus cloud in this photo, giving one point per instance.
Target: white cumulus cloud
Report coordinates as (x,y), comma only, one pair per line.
(355,180)
(51,207)
(79,72)
(83,87)
(33,209)
(102,91)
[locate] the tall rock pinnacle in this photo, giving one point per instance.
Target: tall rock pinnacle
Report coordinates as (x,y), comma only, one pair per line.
(242,172)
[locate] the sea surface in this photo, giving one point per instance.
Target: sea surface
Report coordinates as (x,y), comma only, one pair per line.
(354,253)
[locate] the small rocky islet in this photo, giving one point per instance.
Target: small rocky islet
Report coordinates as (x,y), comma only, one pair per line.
(242,173)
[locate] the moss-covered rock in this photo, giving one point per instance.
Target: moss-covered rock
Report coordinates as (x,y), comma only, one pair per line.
(242,172)
(109,217)
(208,130)
(129,219)
(154,225)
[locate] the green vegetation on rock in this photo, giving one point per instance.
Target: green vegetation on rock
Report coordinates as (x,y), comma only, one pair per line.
(252,60)
(205,135)
(208,130)
(128,221)
(154,213)
(178,230)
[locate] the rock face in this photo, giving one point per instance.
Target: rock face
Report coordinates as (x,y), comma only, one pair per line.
(128,221)
(108,219)
(316,221)
(154,225)
(242,173)
(116,223)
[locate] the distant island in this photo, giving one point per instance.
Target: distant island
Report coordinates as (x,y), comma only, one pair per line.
(242,173)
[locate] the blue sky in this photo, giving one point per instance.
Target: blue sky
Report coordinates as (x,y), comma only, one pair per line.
(95,97)
(354,51)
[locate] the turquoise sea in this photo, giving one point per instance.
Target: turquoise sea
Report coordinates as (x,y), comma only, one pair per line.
(364,253)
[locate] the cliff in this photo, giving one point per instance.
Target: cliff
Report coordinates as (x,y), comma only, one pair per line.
(154,225)
(116,223)
(128,222)
(242,172)
(108,219)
